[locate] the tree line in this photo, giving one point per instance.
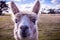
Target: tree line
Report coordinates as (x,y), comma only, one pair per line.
(3,7)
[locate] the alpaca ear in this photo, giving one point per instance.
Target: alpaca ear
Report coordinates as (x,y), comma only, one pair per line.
(14,8)
(36,7)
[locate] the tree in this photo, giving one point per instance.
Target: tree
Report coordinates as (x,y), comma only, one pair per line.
(51,11)
(3,6)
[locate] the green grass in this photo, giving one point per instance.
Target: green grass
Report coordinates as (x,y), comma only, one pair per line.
(49,27)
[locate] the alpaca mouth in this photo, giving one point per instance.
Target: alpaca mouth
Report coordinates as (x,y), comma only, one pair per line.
(25,34)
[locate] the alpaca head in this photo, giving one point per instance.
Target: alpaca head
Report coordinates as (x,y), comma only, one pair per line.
(25,21)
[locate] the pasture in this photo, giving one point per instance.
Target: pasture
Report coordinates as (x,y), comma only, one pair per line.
(48,24)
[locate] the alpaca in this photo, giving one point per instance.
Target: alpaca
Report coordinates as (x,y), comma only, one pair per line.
(25,22)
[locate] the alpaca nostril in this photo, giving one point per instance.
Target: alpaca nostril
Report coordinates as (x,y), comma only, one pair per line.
(24,27)
(21,27)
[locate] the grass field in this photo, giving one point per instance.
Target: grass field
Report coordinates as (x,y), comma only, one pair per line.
(49,27)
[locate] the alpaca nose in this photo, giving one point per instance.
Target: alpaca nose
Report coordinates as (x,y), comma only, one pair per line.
(24,28)
(24,31)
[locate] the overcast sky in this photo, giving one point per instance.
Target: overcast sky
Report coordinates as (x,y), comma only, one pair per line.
(27,4)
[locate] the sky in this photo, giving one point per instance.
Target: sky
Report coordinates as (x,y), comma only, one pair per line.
(28,4)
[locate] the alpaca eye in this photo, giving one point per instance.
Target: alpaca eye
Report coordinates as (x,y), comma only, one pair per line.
(16,20)
(34,20)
